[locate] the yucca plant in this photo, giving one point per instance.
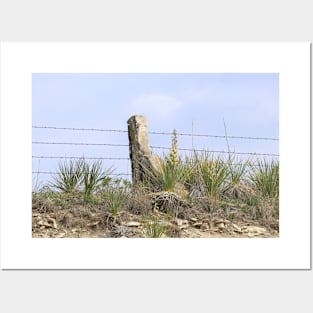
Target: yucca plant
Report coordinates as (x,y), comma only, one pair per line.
(93,177)
(236,172)
(167,176)
(190,167)
(265,177)
(171,170)
(75,175)
(68,176)
(212,173)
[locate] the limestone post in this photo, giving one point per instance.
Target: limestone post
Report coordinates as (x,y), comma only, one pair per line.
(139,149)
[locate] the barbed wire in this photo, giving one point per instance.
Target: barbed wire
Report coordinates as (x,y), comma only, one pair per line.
(52,173)
(152,147)
(78,144)
(156,133)
(214,136)
(216,151)
(76,157)
(81,129)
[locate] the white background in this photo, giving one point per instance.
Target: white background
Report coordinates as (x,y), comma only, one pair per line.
(155,291)
(289,251)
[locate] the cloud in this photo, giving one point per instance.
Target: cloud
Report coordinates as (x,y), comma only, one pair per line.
(156,105)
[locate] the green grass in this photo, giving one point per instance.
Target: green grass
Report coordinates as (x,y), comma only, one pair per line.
(265,177)
(213,173)
(154,227)
(115,196)
(79,175)
(69,175)
(94,177)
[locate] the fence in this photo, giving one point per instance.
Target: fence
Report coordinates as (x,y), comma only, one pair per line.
(121,147)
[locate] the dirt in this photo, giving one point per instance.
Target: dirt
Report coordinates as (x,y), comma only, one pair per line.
(84,222)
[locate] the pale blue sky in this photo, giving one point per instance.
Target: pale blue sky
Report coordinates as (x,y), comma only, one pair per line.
(248,103)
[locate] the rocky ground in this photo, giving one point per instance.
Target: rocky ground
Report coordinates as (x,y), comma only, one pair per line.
(84,222)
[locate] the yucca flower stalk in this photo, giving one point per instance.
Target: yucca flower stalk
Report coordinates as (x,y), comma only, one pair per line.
(172,160)
(170,172)
(173,170)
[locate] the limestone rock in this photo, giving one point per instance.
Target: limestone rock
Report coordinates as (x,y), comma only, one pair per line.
(139,149)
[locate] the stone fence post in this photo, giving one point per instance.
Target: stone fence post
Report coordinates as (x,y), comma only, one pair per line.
(139,150)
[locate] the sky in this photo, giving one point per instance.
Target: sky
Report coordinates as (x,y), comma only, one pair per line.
(199,103)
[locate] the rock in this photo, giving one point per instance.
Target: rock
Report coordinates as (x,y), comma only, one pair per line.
(76,230)
(204,227)
(220,225)
(132,224)
(254,230)
(53,221)
(181,191)
(236,228)
(93,224)
(46,223)
(197,225)
(139,148)
(156,162)
(193,219)
(181,222)
(60,235)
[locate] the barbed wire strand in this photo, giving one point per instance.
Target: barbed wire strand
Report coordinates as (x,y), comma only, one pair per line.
(217,151)
(76,157)
(51,173)
(78,144)
(152,147)
(155,133)
(214,136)
(81,129)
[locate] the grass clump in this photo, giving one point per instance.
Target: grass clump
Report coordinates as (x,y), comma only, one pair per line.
(213,174)
(78,175)
(115,197)
(94,177)
(265,177)
(69,175)
(154,227)
(236,186)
